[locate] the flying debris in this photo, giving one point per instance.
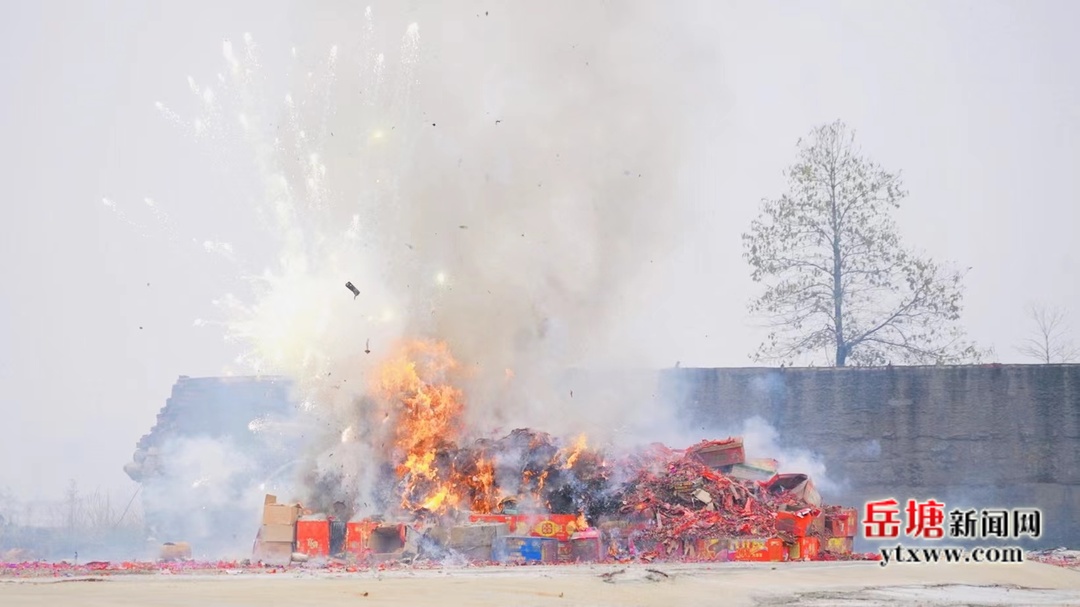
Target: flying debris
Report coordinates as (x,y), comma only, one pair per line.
(351,287)
(367,346)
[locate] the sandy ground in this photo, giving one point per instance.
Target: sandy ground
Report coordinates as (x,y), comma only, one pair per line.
(849,584)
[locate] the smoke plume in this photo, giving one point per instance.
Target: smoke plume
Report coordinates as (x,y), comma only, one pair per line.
(493,178)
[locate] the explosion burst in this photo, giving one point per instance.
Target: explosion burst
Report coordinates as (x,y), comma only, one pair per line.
(356,187)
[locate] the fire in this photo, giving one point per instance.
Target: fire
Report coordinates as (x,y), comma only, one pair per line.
(416,379)
(438,471)
(574,452)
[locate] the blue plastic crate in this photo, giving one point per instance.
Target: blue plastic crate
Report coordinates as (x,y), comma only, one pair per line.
(525,549)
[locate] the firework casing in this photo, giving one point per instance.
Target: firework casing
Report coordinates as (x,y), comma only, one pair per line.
(586,546)
(805,549)
(840,545)
(759,549)
(843,523)
(526,549)
(313,535)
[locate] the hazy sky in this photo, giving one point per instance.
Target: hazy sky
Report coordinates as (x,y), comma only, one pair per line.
(978,103)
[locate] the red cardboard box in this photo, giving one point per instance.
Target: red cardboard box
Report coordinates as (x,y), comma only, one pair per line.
(358,537)
(313,535)
(558,526)
(512,520)
(586,546)
(798,522)
(759,549)
(843,523)
(719,453)
(805,549)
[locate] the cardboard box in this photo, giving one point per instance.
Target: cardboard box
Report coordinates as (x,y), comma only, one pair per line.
(558,526)
(278,533)
(478,554)
(388,538)
(805,549)
(843,523)
(799,523)
(714,548)
(798,484)
(358,537)
(754,470)
(175,551)
(477,534)
(565,553)
(274,553)
(719,453)
(279,514)
(840,545)
(513,521)
(758,549)
(586,546)
(313,536)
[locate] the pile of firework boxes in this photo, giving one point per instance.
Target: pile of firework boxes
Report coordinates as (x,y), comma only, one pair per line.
(805,529)
(290,533)
(277,534)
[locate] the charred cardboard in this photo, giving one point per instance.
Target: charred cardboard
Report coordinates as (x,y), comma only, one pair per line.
(798,484)
(586,546)
(719,453)
(754,470)
(801,522)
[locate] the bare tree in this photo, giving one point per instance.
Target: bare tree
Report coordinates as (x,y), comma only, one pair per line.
(837,278)
(1049,342)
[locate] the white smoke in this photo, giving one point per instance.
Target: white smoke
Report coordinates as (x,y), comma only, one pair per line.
(501,192)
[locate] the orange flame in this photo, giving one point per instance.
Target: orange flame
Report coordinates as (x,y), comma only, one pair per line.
(416,383)
(574,452)
(416,379)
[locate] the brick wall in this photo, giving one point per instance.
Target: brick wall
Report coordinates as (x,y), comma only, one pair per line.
(972,436)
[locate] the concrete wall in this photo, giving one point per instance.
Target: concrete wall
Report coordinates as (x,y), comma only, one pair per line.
(971,436)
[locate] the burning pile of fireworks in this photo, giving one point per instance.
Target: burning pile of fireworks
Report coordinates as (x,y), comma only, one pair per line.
(435,473)
(434,468)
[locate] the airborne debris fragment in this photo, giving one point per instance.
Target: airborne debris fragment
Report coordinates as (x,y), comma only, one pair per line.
(367,346)
(351,287)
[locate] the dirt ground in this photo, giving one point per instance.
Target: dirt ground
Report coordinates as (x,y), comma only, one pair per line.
(850,584)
